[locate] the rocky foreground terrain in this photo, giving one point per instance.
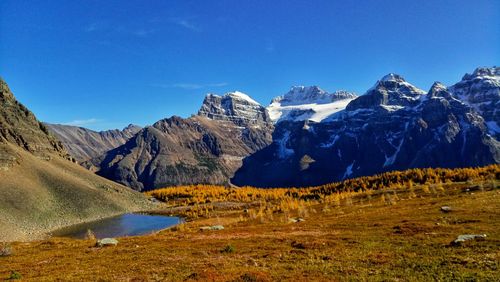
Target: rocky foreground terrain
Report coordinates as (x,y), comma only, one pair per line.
(41,186)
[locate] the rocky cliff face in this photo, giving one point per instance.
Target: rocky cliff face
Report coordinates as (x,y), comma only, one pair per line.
(207,148)
(41,189)
(236,107)
(393,126)
(84,144)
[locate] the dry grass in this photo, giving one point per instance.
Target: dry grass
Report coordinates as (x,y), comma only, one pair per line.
(38,196)
(398,235)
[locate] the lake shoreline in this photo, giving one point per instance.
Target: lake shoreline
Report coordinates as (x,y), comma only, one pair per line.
(123,225)
(40,233)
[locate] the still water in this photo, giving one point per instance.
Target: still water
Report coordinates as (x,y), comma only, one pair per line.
(130,224)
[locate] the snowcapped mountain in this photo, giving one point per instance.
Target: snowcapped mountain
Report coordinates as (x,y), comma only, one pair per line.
(391,93)
(234,106)
(481,90)
(308,103)
(393,126)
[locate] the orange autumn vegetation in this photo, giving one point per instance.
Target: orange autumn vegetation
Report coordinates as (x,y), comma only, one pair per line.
(328,193)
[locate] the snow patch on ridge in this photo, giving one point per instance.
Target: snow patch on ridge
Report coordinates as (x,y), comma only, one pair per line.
(283,150)
(348,170)
(313,111)
(390,160)
(243,96)
(392,108)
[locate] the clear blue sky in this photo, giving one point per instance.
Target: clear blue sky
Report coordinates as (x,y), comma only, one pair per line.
(104,64)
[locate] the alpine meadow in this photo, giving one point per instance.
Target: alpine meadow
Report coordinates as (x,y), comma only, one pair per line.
(157,140)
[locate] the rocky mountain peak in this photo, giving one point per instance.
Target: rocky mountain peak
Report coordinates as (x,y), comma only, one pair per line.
(132,128)
(391,90)
(438,90)
(234,106)
(304,95)
(392,77)
(343,94)
(481,91)
(396,83)
(237,95)
(483,72)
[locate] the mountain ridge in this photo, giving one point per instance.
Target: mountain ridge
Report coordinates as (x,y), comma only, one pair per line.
(84,144)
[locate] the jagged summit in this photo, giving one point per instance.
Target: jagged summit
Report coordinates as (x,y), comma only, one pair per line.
(389,92)
(396,82)
(234,106)
(483,72)
(392,77)
(204,148)
(241,95)
(438,86)
(299,95)
(132,127)
(233,95)
(481,91)
(437,90)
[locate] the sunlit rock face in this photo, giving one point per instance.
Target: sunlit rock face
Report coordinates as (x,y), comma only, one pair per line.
(236,107)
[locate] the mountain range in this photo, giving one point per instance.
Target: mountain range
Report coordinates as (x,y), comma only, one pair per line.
(305,137)
(393,126)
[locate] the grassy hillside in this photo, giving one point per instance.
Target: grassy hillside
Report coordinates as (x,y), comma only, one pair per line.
(383,234)
(39,195)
